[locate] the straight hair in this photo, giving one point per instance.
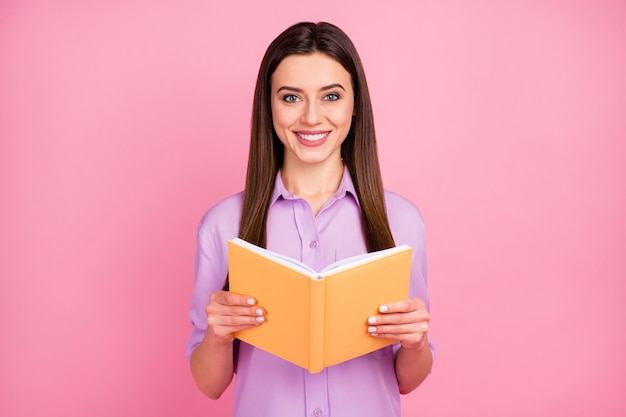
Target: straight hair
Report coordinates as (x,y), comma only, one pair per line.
(358,150)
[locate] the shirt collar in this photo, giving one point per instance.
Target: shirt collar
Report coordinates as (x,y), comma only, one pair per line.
(346,187)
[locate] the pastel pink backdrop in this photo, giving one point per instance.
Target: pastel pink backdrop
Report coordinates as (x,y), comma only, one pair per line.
(121,122)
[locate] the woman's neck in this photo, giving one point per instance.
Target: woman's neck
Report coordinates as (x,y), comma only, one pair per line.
(313,182)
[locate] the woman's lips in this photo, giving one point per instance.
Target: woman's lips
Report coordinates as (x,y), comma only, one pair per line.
(308,138)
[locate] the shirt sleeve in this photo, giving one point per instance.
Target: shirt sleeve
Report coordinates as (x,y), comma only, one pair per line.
(217,226)
(407,227)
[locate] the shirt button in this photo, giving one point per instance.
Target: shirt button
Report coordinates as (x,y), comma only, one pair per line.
(312,244)
(317,412)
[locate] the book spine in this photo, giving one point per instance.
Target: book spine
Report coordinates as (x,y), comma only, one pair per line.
(318,322)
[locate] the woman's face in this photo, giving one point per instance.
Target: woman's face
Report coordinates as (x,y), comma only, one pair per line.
(312,107)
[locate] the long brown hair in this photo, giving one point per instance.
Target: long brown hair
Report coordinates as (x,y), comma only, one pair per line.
(358,150)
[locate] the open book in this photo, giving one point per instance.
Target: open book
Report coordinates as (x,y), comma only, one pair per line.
(317,319)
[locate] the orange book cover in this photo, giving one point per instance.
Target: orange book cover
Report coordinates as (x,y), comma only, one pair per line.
(317,319)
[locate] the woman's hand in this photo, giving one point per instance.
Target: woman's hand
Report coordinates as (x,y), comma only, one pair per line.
(212,360)
(406,321)
(229,312)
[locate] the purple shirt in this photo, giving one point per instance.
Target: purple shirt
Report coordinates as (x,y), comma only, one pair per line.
(266,385)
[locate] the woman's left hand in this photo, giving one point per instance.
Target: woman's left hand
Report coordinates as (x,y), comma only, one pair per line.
(406,321)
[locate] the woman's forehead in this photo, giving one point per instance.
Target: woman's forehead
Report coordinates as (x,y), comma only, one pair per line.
(311,70)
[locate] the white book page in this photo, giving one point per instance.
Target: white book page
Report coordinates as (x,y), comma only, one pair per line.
(281,259)
(334,268)
(354,261)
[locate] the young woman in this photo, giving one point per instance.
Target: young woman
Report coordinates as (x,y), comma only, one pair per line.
(313,192)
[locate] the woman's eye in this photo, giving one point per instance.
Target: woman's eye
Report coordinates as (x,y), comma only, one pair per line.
(331,97)
(290,98)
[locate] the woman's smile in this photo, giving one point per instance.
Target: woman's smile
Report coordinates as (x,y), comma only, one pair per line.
(312,138)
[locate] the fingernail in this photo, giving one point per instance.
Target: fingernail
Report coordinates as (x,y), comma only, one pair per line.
(383,309)
(371,329)
(260,319)
(371,320)
(250,301)
(259,312)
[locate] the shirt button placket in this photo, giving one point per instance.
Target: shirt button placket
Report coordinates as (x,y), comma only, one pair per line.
(307,230)
(317,413)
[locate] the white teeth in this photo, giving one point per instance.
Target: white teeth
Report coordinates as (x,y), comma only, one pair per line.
(313,138)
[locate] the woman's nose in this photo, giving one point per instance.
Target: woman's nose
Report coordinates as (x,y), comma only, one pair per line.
(313,113)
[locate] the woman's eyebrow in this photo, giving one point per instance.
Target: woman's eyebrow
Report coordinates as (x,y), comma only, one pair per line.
(299,90)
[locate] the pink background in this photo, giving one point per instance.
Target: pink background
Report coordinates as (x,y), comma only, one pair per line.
(121,122)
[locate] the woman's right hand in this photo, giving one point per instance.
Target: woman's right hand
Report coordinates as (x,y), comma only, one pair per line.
(229,312)
(212,360)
